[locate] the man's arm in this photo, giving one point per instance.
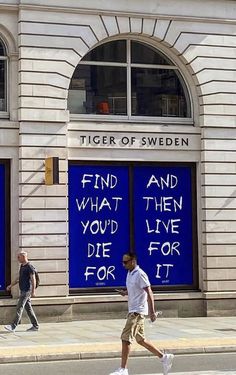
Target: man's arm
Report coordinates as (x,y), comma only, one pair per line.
(150,299)
(122,292)
(33,283)
(14,282)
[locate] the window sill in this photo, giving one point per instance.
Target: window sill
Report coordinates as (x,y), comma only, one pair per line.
(4,115)
(134,119)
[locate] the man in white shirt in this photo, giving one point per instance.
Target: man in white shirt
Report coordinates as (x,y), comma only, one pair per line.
(140,303)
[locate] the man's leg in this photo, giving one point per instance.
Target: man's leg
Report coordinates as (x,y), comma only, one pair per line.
(20,308)
(31,313)
(166,359)
(126,338)
(149,346)
(125,353)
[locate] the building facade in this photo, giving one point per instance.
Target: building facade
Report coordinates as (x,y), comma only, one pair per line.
(138,103)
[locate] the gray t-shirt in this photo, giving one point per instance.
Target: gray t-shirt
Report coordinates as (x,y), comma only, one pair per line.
(24,277)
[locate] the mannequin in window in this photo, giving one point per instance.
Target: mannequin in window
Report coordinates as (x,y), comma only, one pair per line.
(103,107)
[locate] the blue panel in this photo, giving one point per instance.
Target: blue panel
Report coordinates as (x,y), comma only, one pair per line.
(98,225)
(163,223)
(2,228)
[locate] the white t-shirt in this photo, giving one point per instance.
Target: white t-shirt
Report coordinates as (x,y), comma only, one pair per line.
(136,280)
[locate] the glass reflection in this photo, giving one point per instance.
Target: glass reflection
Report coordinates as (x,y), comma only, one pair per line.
(2,85)
(108,52)
(143,54)
(98,90)
(157,92)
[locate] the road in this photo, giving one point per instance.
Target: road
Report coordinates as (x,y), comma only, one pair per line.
(187,364)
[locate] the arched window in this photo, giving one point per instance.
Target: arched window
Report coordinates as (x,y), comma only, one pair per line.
(3,78)
(129,79)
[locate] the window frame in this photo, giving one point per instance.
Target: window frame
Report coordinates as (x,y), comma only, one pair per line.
(7,183)
(128,65)
(5,113)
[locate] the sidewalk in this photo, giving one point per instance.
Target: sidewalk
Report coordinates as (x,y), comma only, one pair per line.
(100,339)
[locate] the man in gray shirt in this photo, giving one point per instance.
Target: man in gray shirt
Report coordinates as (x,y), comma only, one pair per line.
(27,285)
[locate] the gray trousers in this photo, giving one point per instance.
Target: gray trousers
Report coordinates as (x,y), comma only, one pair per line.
(25,303)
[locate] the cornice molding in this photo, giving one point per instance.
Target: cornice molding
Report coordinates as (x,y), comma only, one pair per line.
(9,7)
(102,12)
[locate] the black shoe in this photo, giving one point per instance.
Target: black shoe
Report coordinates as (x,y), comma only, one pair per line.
(32,329)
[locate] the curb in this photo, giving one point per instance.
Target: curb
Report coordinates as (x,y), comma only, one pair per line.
(108,354)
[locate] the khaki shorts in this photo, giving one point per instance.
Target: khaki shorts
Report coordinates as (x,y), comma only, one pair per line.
(134,328)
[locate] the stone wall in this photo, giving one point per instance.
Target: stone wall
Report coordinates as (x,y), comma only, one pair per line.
(199,36)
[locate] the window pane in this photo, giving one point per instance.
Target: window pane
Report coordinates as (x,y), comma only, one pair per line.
(109,52)
(2,85)
(2,49)
(143,54)
(98,90)
(158,92)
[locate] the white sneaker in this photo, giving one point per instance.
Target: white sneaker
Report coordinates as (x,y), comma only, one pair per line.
(167,360)
(120,371)
(9,328)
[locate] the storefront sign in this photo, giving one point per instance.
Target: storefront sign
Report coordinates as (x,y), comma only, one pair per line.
(163,223)
(99,225)
(135,140)
(146,208)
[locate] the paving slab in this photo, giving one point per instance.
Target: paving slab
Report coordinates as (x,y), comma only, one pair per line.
(101,339)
